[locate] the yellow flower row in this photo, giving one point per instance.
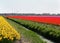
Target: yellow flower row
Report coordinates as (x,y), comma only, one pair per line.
(7,31)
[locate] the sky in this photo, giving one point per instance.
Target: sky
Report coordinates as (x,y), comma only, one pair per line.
(29,6)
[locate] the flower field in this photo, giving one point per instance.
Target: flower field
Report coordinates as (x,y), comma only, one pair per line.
(47,30)
(31,29)
(44,19)
(7,33)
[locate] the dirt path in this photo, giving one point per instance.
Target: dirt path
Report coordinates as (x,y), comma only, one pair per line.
(23,40)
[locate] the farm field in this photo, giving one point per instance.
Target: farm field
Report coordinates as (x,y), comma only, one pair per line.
(12,32)
(23,30)
(27,36)
(47,30)
(43,19)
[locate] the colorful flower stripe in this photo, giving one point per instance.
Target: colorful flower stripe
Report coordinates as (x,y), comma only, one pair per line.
(7,31)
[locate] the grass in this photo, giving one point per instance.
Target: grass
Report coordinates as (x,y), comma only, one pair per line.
(28,35)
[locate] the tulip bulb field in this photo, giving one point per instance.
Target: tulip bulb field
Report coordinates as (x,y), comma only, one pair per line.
(29,29)
(7,32)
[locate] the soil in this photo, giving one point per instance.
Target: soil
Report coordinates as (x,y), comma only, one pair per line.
(22,40)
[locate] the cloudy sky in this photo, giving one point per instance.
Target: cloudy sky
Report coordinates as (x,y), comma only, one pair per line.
(29,6)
